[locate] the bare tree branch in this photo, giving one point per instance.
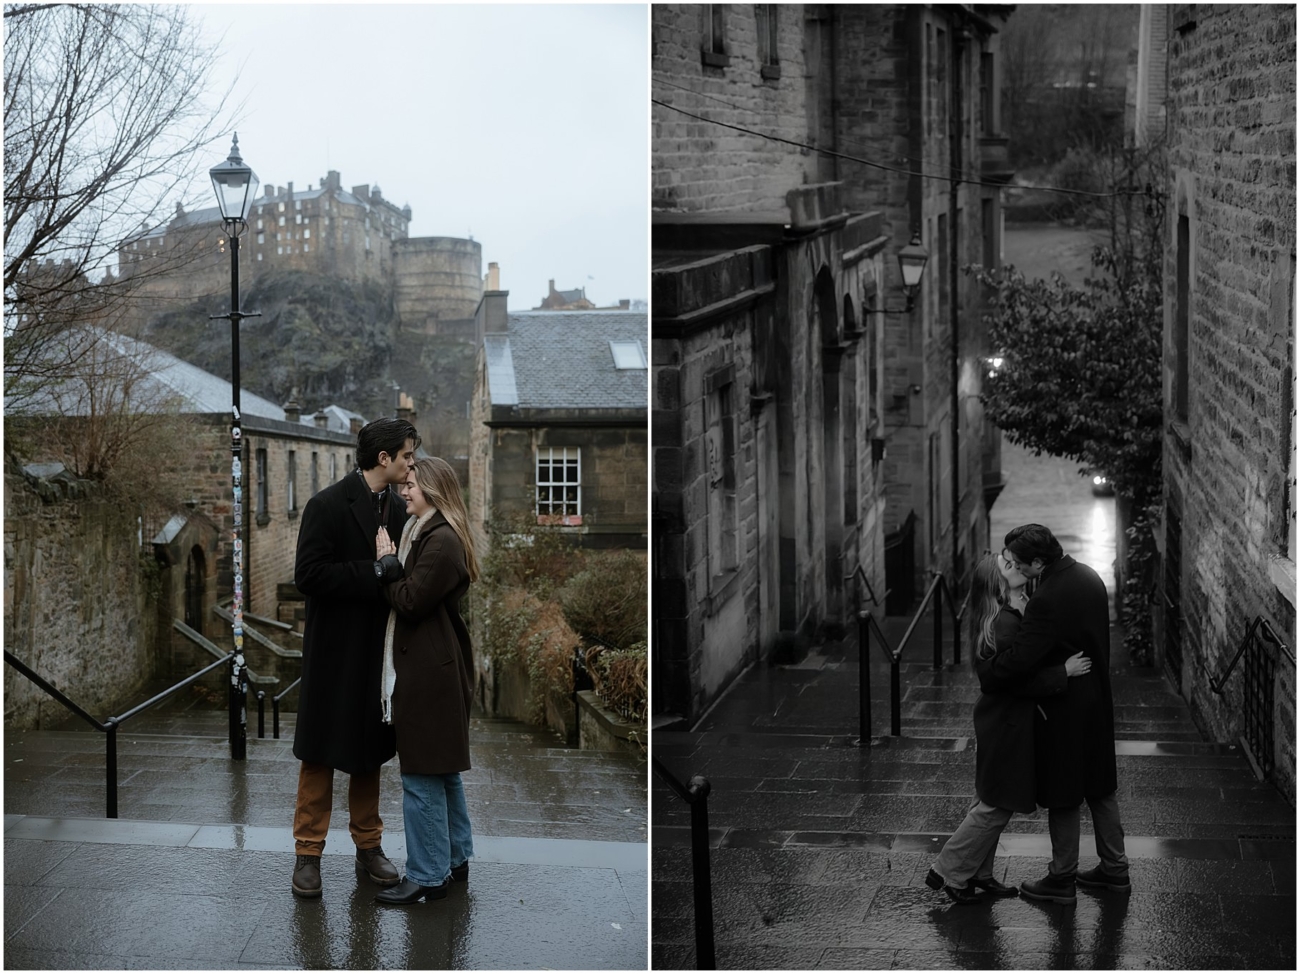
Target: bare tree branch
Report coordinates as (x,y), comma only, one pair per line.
(106,114)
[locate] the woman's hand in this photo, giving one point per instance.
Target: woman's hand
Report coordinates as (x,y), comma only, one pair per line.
(1077,665)
(384,544)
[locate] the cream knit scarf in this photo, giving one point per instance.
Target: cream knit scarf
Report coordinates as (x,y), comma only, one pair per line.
(409,534)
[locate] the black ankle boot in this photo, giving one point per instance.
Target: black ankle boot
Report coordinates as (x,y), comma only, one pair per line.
(408,891)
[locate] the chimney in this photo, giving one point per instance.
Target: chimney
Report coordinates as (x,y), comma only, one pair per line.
(362,192)
(405,408)
(490,316)
(624,304)
(321,419)
(292,409)
(551,284)
(289,189)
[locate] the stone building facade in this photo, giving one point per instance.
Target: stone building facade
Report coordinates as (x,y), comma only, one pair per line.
(183,557)
(814,438)
(355,234)
(558,424)
(1229,520)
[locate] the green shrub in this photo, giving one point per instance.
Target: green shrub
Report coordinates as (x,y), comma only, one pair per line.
(605,603)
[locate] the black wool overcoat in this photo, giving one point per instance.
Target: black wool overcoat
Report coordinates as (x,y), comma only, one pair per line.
(1005,775)
(1075,741)
(340,717)
(432,656)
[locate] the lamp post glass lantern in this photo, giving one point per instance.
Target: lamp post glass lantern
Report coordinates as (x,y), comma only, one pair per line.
(235,185)
(911,264)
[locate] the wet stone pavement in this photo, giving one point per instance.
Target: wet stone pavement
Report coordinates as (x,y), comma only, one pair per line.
(819,849)
(195,872)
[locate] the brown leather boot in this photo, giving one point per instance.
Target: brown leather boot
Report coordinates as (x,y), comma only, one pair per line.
(306,877)
(375,864)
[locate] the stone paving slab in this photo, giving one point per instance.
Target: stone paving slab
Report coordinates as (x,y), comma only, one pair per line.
(559,879)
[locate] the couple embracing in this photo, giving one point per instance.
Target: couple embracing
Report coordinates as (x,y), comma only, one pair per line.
(384,557)
(1044,723)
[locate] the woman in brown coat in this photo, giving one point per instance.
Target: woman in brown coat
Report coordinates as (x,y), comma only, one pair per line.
(429,677)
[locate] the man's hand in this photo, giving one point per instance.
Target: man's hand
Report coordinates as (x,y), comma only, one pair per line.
(1077,665)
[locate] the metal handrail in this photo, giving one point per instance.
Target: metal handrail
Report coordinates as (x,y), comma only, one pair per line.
(696,795)
(1268,635)
(866,622)
(109,726)
(275,708)
(857,574)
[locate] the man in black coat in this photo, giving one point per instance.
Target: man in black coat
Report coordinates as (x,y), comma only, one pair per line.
(340,721)
(1074,733)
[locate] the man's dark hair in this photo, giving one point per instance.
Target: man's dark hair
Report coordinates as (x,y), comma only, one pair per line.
(387,435)
(1030,541)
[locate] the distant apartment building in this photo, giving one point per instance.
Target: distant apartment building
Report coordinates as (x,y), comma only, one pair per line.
(1228,540)
(818,437)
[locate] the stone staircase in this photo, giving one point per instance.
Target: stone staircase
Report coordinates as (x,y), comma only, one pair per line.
(820,848)
(174,765)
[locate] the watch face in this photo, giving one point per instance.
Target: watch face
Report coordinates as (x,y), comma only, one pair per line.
(379,569)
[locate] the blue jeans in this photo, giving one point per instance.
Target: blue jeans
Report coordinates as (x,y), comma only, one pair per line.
(437,826)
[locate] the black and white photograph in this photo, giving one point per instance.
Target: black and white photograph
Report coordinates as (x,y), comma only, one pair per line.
(973,493)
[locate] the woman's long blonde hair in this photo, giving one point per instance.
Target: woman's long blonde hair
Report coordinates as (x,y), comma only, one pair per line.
(988,592)
(441,488)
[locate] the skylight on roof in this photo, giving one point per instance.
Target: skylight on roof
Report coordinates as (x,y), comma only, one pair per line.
(628,355)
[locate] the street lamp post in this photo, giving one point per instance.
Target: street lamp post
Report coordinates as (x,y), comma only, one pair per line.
(236,185)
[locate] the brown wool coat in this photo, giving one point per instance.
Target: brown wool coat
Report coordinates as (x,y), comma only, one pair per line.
(432,655)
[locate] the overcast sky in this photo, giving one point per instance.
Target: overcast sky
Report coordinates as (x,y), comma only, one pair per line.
(524,127)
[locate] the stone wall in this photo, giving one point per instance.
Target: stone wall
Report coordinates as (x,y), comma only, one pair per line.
(614,478)
(80,601)
(1227,462)
(697,166)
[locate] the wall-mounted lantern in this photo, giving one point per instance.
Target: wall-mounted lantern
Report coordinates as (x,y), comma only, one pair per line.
(911,265)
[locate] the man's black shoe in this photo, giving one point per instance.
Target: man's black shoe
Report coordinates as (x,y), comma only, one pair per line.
(460,873)
(408,891)
(1096,879)
(965,897)
(1051,888)
(306,877)
(375,864)
(993,887)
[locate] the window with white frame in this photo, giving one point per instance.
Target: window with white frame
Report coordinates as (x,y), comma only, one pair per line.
(559,481)
(628,355)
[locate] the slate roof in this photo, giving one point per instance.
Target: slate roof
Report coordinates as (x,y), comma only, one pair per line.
(562,360)
(171,383)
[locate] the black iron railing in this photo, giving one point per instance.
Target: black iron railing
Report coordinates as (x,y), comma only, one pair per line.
(1257,689)
(696,796)
(111,725)
(581,681)
(867,622)
(275,709)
